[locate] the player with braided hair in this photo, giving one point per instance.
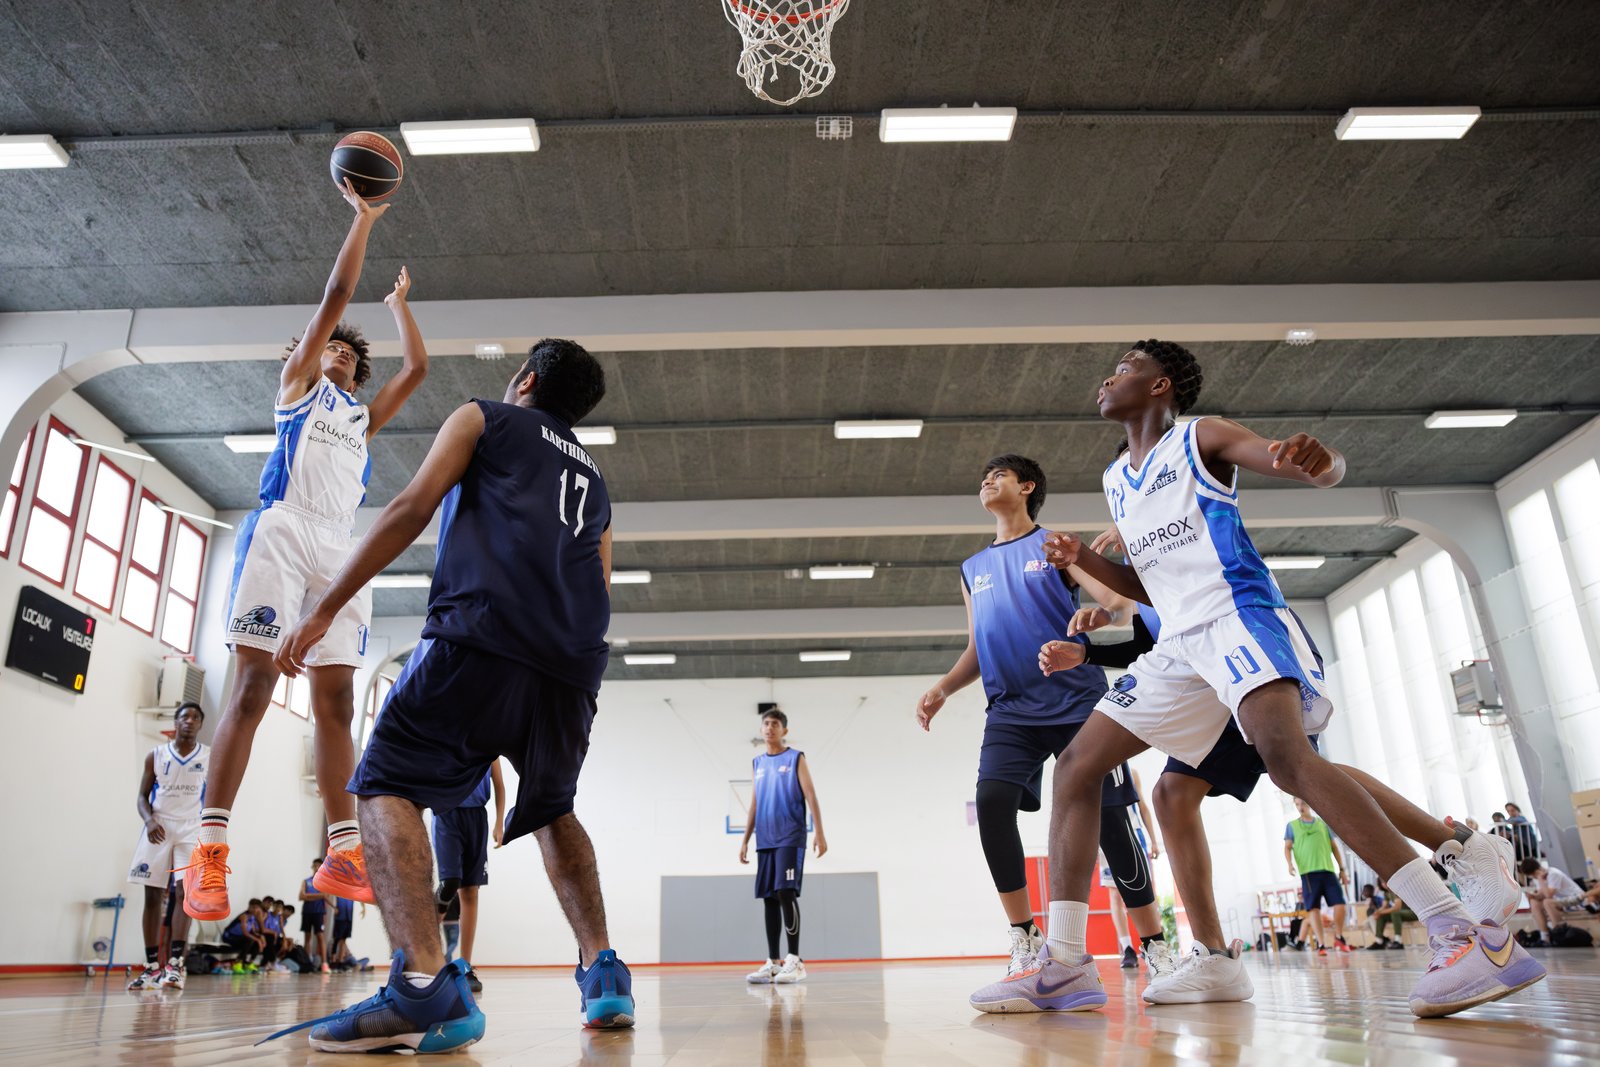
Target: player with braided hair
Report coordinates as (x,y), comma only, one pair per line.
(1229,650)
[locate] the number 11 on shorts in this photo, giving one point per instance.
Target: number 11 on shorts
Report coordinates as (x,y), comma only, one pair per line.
(580,485)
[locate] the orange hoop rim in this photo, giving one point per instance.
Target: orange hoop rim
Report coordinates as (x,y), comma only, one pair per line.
(793,20)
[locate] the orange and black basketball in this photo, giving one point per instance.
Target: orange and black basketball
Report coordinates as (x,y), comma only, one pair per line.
(371,163)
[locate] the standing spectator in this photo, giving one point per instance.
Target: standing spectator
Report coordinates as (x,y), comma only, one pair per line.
(314,915)
(1308,846)
(1521,833)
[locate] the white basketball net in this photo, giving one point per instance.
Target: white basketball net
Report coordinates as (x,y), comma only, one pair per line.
(796,34)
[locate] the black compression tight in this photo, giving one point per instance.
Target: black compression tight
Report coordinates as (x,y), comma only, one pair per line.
(783,912)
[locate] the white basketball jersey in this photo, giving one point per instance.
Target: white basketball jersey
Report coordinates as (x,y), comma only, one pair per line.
(180,789)
(320,463)
(1185,536)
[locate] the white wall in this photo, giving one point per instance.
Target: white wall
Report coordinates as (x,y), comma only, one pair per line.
(76,760)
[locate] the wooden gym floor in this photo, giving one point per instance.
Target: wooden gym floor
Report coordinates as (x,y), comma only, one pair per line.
(1306,1010)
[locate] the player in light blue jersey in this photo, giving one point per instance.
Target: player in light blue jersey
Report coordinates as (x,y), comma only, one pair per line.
(781,792)
(1229,649)
(288,550)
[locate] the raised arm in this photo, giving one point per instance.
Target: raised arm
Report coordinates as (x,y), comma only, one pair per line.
(396,528)
(302,367)
(147,781)
(803,769)
(1224,444)
(962,674)
(413,362)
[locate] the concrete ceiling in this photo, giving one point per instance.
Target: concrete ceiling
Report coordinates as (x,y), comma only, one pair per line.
(738,206)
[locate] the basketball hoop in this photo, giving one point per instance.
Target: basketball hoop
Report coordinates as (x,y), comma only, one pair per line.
(796,34)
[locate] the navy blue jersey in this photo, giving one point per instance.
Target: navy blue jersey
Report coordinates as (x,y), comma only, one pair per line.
(480,795)
(344,910)
(780,804)
(314,908)
(1019,602)
(518,572)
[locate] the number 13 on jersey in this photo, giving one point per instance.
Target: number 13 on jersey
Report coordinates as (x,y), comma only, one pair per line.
(580,488)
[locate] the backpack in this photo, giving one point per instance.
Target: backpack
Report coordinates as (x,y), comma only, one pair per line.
(1565,936)
(1528,938)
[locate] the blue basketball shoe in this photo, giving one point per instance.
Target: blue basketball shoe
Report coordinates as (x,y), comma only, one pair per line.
(438,1017)
(606,993)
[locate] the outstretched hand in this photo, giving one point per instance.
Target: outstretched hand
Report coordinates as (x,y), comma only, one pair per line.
(364,209)
(1087,620)
(1061,656)
(302,637)
(1061,549)
(402,288)
(1302,452)
(1109,541)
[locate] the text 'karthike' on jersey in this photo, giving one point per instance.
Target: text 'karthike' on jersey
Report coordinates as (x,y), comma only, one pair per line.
(780,802)
(1019,602)
(519,572)
(319,463)
(1184,535)
(179,791)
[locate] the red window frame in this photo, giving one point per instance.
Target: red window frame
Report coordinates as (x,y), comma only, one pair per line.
(199,578)
(135,565)
(50,509)
(115,550)
(15,488)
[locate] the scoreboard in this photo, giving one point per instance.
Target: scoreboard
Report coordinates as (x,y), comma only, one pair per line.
(51,640)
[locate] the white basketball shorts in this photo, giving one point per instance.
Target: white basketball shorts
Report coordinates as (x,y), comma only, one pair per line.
(1178,696)
(283,560)
(152,863)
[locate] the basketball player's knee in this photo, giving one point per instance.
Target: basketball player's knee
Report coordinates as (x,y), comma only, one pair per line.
(1172,803)
(997,801)
(1074,779)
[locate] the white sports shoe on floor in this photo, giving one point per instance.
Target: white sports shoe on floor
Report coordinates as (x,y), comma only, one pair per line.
(1483,866)
(764,974)
(149,978)
(173,976)
(1161,960)
(1204,977)
(793,970)
(1023,947)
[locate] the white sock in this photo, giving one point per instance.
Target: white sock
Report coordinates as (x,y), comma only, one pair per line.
(1124,943)
(1068,921)
(417,979)
(1418,885)
(343,835)
(214,826)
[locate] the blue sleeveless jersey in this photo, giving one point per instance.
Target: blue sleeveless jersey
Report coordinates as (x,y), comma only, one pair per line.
(518,571)
(1152,621)
(780,805)
(1019,602)
(480,795)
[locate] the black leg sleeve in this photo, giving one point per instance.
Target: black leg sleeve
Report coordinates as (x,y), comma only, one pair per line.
(997,829)
(1129,865)
(774,923)
(789,903)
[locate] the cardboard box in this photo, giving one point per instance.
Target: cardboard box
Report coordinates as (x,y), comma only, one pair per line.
(1585,796)
(1590,836)
(1588,815)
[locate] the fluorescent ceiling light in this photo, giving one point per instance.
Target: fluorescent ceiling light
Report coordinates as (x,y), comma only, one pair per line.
(30,150)
(650,659)
(1459,420)
(846,429)
(1300,336)
(849,570)
(946,123)
(1294,563)
(596,435)
(489,351)
(470,136)
(826,656)
(630,577)
(1406,123)
(402,581)
(170,510)
(82,443)
(250,442)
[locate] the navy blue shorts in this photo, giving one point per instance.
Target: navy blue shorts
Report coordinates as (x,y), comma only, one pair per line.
(1319,888)
(1015,753)
(779,868)
(453,710)
(461,844)
(1232,766)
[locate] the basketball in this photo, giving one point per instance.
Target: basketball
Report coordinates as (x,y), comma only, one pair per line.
(370,161)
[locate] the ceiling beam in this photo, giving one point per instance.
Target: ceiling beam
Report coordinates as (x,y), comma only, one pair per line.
(701,321)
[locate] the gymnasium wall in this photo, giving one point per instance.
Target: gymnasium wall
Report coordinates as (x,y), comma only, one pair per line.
(73,773)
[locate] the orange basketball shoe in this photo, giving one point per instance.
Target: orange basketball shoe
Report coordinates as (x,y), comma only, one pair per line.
(205,885)
(344,874)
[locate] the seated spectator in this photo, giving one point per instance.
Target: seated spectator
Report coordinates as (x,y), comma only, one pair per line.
(1552,892)
(1390,910)
(244,936)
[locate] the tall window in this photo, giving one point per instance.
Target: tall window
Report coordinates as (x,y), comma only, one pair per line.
(13,498)
(54,515)
(183,587)
(140,594)
(300,696)
(103,535)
